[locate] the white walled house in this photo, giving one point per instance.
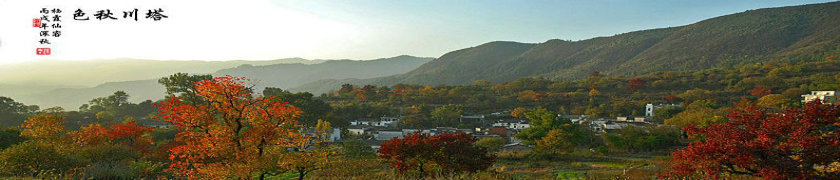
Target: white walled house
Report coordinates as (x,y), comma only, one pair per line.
(512,124)
(827,97)
(383,122)
(388,135)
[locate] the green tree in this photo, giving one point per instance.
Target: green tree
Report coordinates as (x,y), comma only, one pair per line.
(109,108)
(447,115)
(12,113)
(313,109)
(32,158)
(492,144)
(542,121)
(636,139)
(661,114)
(356,148)
(9,137)
(181,85)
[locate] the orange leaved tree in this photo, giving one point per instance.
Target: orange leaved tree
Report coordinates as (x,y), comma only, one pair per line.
(231,133)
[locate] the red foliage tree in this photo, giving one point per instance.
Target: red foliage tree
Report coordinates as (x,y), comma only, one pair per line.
(231,134)
(759,91)
(453,152)
(131,134)
(128,133)
(501,131)
(635,84)
(794,144)
(670,98)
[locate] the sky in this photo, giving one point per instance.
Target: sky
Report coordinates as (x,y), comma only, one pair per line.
(340,29)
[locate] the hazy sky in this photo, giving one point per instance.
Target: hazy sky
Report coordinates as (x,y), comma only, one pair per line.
(355,29)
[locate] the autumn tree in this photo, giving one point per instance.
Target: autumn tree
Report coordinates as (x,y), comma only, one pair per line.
(776,101)
(366,92)
(699,113)
(323,129)
(635,84)
(456,152)
(695,94)
(759,91)
(91,135)
(47,128)
(451,152)
(346,88)
(304,161)
(670,98)
(230,134)
(556,142)
(518,112)
(798,143)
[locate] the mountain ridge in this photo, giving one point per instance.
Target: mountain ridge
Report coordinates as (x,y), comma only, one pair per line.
(791,33)
(149,89)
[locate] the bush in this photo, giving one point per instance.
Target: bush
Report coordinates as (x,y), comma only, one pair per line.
(357,149)
(32,159)
(492,144)
(9,137)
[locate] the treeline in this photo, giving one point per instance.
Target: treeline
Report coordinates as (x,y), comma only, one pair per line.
(597,95)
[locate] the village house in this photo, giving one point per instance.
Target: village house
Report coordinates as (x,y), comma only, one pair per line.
(512,124)
(382,122)
(630,119)
(384,135)
(475,118)
(826,97)
(334,135)
(576,119)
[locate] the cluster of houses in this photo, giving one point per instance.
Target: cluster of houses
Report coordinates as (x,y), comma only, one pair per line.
(386,128)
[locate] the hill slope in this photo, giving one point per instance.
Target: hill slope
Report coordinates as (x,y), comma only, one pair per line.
(785,33)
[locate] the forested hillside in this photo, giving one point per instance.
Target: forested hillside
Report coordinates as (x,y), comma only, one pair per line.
(787,34)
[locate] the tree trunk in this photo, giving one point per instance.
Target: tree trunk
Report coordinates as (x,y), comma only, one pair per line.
(422,173)
(301,174)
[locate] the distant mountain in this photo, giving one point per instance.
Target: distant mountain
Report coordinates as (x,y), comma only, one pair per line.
(292,75)
(785,33)
(72,98)
(95,72)
(274,75)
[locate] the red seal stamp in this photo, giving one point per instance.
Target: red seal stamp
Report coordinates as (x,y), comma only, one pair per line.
(43,51)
